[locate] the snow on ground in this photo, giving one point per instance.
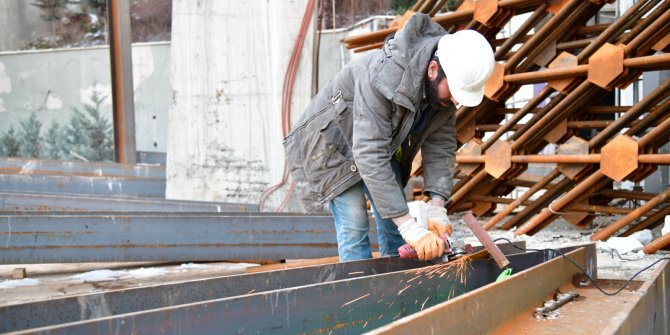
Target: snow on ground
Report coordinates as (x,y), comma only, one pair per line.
(9,284)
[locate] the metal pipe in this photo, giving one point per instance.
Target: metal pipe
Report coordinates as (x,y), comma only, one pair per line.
(534,207)
(643,23)
(520,114)
(437,7)
(427,6)
(547,75)
(615,226)
(654,62)
(624,194)
(653,29)
(649,223)
(663,159)
(122,81)
(648,63)
(539,115)
(540,39)
(605,36)
(512,206)
(660,111)
(462,192)
(551,118)
(571,45)
(624,120)
(575,159)
(527,25)
(658,159)
(561,202)
(657,244)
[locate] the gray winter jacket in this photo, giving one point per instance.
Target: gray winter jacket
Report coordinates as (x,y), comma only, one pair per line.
(355,124)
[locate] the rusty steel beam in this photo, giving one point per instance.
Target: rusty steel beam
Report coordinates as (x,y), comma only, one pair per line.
(26,166)
(253,279)
(478,313)
(45,202)
(349,304)
(62,237)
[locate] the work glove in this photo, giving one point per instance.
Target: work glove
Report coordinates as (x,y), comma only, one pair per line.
(426,245)
(438,221)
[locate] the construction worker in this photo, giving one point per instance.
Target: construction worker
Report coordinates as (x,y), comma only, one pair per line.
(360,133)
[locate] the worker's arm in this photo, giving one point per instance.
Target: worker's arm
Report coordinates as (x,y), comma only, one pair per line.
(438,154)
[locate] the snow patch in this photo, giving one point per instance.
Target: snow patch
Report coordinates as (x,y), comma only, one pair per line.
(19,283)
(143,273)
(194,266)
(97,275)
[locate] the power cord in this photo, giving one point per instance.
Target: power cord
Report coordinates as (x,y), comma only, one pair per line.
(584,271)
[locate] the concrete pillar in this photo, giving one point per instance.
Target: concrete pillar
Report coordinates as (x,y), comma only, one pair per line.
(228,64)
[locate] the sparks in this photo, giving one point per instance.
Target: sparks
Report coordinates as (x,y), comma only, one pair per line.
(359,298)
(424,303)
(403,290)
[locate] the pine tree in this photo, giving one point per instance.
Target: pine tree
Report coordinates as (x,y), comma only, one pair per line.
(99,132)
(30,141)
(89,136)
(76,142)
(54,142)
(9,146)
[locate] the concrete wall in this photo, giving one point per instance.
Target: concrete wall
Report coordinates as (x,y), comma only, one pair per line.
(51,83)
(20,22)
(229,60)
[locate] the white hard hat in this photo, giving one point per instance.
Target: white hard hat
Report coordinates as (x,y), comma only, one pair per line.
(467,59)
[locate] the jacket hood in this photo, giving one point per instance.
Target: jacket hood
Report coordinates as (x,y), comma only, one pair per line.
(412,48)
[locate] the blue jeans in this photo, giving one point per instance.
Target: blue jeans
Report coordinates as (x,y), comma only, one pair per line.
(352,225)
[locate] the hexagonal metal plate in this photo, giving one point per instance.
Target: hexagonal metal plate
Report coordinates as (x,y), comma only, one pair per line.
(498,159)
(606,65)
(618,158)
(573,146)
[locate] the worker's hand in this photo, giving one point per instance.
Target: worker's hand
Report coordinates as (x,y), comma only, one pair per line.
(426,245)
(438,221)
